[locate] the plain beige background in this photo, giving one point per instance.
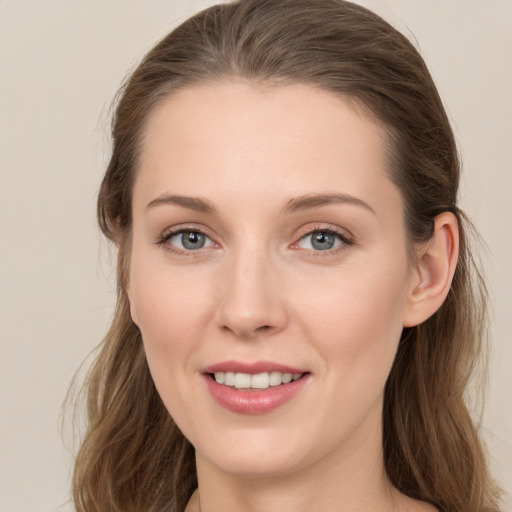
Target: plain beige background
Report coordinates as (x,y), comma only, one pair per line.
(60,65)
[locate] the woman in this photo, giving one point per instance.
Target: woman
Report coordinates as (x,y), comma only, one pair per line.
(298,311)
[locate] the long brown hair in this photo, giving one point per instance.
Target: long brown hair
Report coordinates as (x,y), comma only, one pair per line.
(133,457)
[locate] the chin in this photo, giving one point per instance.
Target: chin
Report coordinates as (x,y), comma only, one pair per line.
(258,463)
(264,452)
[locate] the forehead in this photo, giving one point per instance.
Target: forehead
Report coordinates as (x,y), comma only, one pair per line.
(237,136)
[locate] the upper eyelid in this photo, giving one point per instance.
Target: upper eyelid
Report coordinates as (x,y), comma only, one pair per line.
(346,238)
(164,237)
(174,230)
(342,232)
(163,241)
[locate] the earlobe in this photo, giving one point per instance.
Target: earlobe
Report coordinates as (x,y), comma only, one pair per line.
(434,271)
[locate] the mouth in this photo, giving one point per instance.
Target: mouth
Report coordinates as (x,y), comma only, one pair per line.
(254,388)
(255,382)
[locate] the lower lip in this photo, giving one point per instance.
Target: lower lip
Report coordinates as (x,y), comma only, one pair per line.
(257,401)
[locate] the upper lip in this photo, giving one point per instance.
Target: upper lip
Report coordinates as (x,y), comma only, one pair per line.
(251,368)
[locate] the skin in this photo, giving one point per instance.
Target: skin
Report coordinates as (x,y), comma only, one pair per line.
(259,290)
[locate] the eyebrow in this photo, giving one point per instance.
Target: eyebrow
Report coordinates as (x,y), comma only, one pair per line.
(196,204)
(310,201)
(305,202)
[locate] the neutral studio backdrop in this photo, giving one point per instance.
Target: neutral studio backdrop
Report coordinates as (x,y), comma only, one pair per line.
(61,63)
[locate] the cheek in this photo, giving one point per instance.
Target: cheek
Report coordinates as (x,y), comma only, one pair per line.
(354,325)
(170,313)
(170,310)
(356,321)
(361,298)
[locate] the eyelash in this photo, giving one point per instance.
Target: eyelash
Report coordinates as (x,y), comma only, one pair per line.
(345,240)
(167,235)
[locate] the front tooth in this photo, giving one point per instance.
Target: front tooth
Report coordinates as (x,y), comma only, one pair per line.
(287,377)
(276,378)
(219,377)
(260,381)
(242,380)
(229,378)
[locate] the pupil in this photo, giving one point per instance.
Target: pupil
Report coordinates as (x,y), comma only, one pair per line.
(193,240)
(322,241)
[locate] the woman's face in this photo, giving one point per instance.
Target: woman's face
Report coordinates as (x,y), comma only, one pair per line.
(268,240)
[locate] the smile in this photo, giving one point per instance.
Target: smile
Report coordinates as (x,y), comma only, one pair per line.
(247,381)
(253,388)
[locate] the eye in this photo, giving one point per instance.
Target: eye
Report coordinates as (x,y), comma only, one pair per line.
(322,240)
(188,240)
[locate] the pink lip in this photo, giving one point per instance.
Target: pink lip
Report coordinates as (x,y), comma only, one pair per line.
(256,401)
(251,368)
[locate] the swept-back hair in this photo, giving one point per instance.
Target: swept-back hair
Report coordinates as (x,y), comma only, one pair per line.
(133,457)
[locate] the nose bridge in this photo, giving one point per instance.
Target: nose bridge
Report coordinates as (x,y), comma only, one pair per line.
(251,301)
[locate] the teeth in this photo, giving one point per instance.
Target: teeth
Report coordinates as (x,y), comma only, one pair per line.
(242,380)
(260,381)
(257,381)
(229,379)
(276,378)
(287,377)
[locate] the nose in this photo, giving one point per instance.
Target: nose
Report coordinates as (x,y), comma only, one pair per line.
(252,300)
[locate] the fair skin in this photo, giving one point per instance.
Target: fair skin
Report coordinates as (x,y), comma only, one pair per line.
(266,229)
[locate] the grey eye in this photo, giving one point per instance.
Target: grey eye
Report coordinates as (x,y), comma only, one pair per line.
(321,240)
(190,240)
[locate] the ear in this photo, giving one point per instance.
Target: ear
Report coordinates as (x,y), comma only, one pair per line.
(433,272)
